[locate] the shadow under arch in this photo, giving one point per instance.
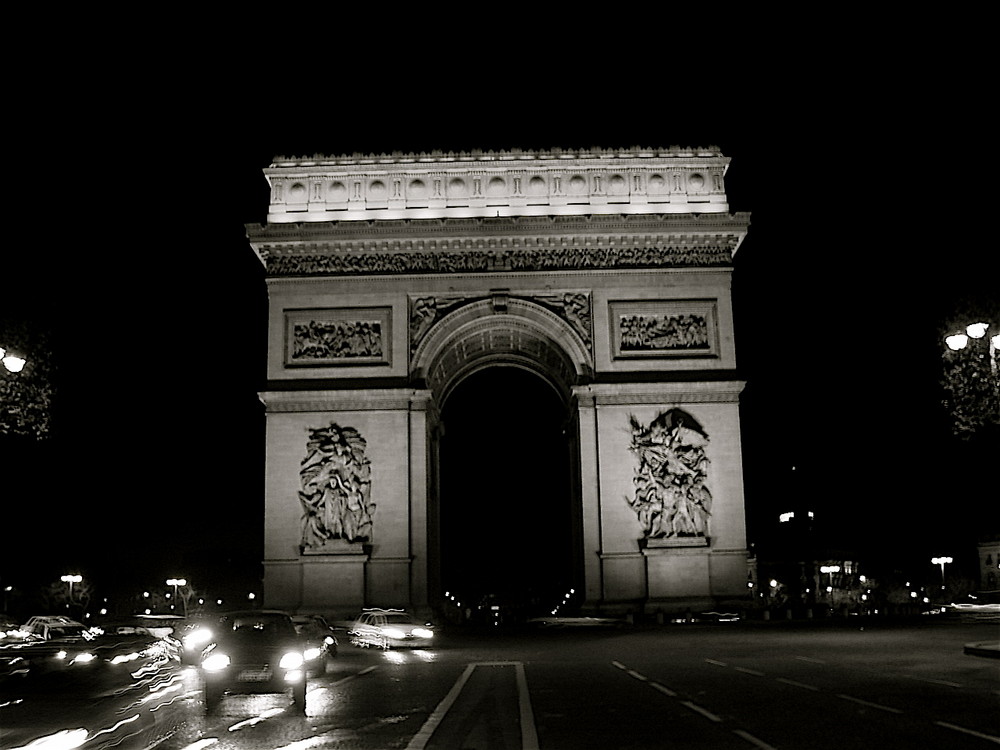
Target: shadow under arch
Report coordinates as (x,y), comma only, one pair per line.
(509,522)
(505,514)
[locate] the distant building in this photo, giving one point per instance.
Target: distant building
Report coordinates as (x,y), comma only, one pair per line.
(989,564)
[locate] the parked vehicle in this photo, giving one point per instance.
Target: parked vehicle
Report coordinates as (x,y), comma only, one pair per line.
(254,651)
(390,628)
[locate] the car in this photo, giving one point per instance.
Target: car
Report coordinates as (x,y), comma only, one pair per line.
(390,628)
(195,635)
(56,627)
(320,643)
(254,651)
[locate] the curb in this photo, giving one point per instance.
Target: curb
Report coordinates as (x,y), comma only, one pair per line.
(989,650)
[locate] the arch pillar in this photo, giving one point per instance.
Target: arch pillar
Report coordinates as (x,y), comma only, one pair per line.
(590,499)
(421,468)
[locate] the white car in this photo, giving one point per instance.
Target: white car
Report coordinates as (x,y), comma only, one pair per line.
(54,628)
(390,628)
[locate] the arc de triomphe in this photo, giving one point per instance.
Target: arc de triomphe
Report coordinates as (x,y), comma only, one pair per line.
(392,278)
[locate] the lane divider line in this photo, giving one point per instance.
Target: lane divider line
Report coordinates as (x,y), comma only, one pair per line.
(529,734)
(797,684)
(663,689)
(946,683)
(754,672)
(703,711)
(879,706)
(753,740)
(350,677)
(694,706)
(980,735)
(422,737)
(717,663)
(810,660)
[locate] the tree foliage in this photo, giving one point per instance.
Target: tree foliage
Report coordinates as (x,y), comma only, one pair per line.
(971,376)
(26,396)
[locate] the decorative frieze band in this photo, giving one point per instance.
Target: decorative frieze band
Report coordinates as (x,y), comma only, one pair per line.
(322,262)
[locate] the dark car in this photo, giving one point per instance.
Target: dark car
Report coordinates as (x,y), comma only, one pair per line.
(254,652)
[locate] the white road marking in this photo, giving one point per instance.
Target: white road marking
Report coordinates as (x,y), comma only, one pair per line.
(704,712)
(797,684)
(935,682)
(350,677)
(879,706)
(753,740)
(717,663)
(808,659)
(637,676)
(529,736)
(980,735)
(754,672)
(264,716)
(663,689)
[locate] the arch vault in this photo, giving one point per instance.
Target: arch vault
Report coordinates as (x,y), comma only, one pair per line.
(391,280)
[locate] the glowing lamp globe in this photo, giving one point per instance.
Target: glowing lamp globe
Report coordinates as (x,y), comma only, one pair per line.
(977,330)
(957,341)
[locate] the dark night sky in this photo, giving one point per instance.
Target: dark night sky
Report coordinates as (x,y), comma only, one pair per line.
(871,214)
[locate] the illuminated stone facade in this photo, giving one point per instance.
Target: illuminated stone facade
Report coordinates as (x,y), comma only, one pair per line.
(391,278)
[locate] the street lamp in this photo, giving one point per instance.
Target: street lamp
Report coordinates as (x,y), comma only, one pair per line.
(942,561)
(831,569)
(175,582)
(71,579)
(11,361)
(972,377)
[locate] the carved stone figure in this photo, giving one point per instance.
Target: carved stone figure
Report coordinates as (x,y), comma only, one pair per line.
(671,498)
(335,487)
(339,339)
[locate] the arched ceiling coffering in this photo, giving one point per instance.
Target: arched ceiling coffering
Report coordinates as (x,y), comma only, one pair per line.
(519,333)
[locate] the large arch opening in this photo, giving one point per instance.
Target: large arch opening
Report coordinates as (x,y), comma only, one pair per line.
(509,518)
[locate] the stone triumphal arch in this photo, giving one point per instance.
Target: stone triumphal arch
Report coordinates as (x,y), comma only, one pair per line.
(393,278)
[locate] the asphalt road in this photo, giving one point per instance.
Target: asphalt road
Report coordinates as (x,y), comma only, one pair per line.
(729,685)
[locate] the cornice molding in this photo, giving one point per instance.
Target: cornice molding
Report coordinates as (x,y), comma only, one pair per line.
(726,391)
(345,400)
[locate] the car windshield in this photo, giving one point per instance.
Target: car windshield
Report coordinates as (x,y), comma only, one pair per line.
(398,618)
(261,624)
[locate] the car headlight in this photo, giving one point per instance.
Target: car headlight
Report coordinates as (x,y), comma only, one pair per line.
(291,660)
(423,633)
(83,658)
(198,637)
(312,653)
(215,662)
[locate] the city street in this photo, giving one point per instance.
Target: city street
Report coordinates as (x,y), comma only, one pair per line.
(817,685)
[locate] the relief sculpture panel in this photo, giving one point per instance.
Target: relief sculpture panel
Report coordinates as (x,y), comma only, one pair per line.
(671,498)
(335,489)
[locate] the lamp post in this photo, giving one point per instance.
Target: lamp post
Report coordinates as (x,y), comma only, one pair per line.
(942,561)
(71,579)
(831,569)
(175,582)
